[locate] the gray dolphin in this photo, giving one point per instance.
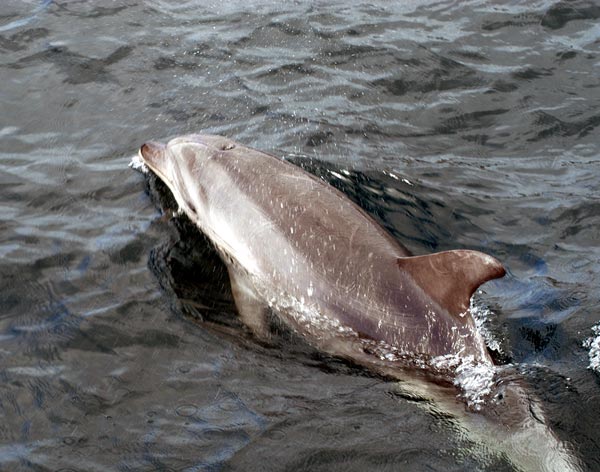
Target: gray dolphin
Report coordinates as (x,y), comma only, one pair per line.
(299,248)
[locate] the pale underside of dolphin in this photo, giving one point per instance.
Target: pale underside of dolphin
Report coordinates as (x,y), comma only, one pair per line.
(296,246)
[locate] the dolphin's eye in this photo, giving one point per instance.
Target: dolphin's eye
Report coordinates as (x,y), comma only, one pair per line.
(227,147)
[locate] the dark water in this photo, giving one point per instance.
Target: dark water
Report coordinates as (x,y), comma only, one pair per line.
(458,125)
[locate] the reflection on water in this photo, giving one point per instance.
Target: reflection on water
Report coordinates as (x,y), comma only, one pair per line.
(455,125)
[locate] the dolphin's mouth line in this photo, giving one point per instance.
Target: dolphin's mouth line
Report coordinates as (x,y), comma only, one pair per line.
(160,175)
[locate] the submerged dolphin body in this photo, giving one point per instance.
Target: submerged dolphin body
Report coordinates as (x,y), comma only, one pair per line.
(295,246)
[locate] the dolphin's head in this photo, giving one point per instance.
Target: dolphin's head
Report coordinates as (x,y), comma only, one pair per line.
(182,154)
(180,164)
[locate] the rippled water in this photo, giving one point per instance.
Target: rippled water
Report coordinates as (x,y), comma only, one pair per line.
(458,125)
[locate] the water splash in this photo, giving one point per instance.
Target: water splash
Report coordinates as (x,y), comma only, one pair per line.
(593,345)
(482,315)
(476,381)
(138,164)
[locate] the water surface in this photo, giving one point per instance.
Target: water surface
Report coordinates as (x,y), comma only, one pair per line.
(456,124)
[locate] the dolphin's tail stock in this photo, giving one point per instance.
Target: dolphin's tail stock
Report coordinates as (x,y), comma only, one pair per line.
(530,445)
(514,428)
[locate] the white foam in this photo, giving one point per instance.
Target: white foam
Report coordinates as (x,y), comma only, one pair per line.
(481,315)
(138,164)
(476,380)
(593,344)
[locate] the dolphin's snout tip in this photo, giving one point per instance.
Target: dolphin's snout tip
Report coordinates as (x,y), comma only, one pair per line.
(150,150)
(151,153)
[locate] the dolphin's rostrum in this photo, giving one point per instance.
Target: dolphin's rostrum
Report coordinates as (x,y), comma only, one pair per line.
(297,247)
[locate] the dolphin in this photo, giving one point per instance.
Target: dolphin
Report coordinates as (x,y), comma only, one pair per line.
(298,248)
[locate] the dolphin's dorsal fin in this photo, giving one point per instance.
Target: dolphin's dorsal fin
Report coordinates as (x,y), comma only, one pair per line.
(451,277)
